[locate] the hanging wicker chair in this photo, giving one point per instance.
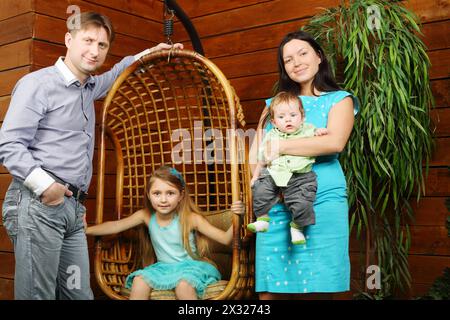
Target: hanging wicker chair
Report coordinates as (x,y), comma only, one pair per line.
(161,111)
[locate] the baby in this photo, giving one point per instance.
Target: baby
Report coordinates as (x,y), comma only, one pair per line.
(292,176)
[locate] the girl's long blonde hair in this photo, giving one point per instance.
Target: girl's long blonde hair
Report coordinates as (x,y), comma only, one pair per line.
(185,209)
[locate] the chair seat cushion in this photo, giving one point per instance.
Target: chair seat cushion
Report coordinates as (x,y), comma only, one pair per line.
(213,290)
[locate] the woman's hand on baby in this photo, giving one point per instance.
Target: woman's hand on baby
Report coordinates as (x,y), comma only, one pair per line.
(238,207)
(271,150)
(320,131)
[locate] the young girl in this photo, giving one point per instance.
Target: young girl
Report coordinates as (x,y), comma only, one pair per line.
(177,229)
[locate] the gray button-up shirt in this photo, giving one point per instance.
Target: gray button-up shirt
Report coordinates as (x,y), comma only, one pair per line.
(50,123)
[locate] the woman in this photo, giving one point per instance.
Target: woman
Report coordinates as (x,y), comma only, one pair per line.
(321,265)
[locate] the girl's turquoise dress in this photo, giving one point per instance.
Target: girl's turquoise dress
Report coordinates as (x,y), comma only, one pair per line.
(322,264)
(174,263)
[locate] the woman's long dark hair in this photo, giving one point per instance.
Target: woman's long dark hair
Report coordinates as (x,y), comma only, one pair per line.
(323,81)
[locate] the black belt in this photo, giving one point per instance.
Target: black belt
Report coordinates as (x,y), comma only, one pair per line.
(78,194)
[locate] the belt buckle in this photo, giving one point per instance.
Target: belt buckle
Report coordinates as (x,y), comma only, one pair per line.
(81,196)
(75,192)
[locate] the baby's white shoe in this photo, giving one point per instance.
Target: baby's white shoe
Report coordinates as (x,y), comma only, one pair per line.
(260,225)
(297,236)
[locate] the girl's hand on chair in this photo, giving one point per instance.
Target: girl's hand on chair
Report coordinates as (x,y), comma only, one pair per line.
(238,208)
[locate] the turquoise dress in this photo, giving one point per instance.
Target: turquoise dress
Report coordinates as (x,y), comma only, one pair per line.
(173,262)
(322,264)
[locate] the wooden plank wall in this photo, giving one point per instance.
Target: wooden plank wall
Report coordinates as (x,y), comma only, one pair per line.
(241,37)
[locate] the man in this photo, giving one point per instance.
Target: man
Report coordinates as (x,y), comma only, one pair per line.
(47,144)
